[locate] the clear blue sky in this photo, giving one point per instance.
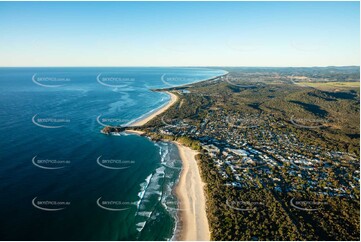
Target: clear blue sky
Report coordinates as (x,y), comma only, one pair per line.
(179,33)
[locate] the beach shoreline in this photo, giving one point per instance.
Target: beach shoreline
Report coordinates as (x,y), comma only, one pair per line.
(147,118)
(193,222)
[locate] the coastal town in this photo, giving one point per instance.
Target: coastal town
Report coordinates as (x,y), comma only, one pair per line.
(276,160)
(265,145)
(180,120)
(268,145)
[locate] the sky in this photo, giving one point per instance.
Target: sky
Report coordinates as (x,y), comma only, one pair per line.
(179,34)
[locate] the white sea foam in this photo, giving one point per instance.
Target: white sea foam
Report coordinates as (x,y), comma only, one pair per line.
(164,156)
(145,214)
(115,134)
(140,226)
(144,186)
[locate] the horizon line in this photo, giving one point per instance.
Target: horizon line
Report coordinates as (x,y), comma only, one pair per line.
(182,66)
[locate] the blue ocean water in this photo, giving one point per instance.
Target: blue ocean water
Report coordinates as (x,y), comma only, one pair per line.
(61,179)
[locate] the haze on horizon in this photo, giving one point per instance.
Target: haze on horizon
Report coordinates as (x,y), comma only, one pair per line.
(179,34)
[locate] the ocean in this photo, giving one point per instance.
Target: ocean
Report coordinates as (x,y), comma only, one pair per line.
(61,179)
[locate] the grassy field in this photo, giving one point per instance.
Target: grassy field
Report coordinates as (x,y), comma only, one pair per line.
(331,85)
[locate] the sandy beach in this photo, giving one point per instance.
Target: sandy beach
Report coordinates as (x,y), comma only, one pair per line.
(190,193)
(132,131)
(173,99)
(189,190)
